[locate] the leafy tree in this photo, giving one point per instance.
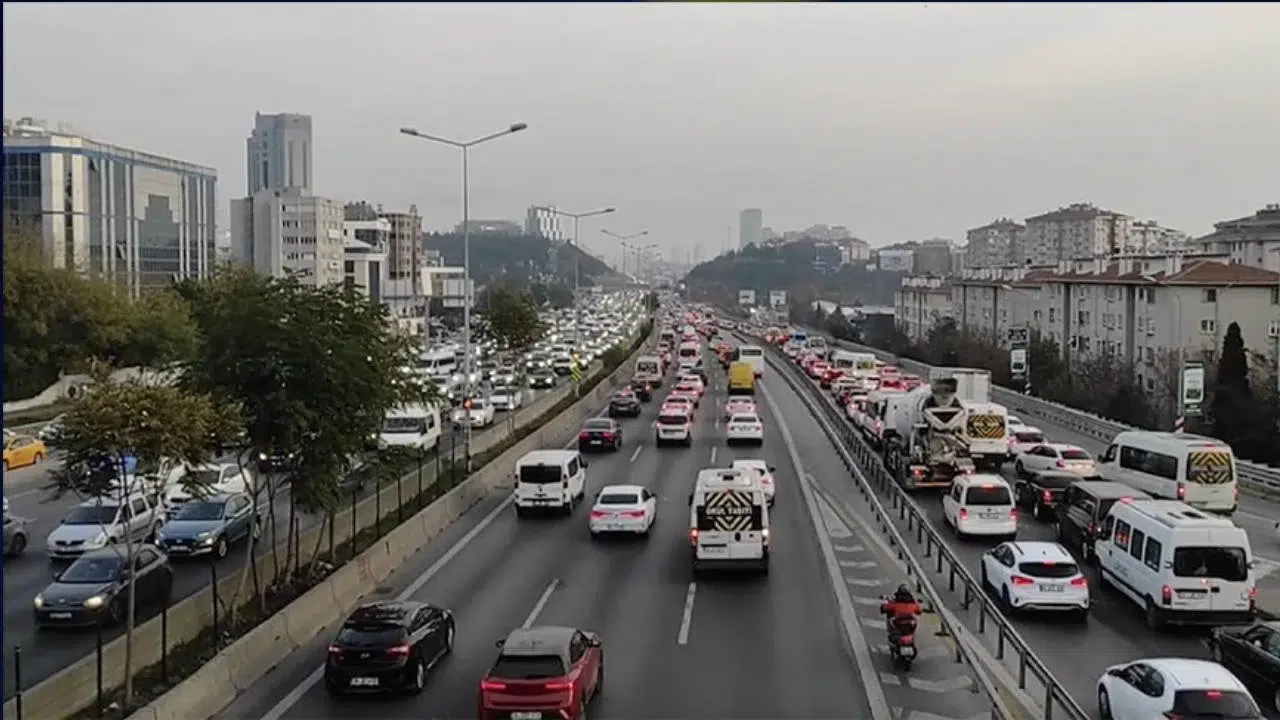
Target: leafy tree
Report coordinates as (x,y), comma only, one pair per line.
(1232,399)
(314,368)
(151,424)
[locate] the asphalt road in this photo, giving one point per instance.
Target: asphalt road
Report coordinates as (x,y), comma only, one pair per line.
(46,652)
(1116,632)
(748,647)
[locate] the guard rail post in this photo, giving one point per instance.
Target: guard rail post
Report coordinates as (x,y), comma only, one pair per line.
(17,680)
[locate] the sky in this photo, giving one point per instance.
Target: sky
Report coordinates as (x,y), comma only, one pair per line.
(901,121)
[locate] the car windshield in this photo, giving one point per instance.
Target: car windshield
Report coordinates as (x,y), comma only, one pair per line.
(1225,563)
(200,510)
(1074,454)
(988,495)
(744,419)
(197,477)
(597,425)
(1227,704)
(402,425)
(671,419)
(96,569)
(619,498)
(527,667)
(91,515)
(1049,569)
(504,390)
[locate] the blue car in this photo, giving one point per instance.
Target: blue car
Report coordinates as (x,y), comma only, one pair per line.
(208,526)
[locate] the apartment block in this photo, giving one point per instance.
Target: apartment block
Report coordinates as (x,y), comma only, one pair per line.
(1252,240)
(995,244)
(1077,231)
(289,232)
(920,303)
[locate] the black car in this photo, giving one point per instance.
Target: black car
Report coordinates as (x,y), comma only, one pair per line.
(93,590)
(642,389)
(600,434)
(1082,508)
(1040,492)
(388,647)
(275,461)
(1253,655)
(625,403)
(542,378)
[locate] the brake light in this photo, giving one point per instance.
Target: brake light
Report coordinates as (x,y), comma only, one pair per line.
(1019,580)
(1182,492)
(1010,440)
(1080,582)
(608,436)
(633,514)
(559,686)
(1126,500)
(1166,594)
(964,514)
(1061,463)
(879,426)
(1253,593)
(399,650)
(598,514)
(335,650)
(693,536)
(492,686)
(1013,514)
(1235,491)
(1213,694)
(1047,496)
(987,486)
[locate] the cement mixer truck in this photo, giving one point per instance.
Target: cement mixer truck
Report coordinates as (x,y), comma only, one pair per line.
(929,445)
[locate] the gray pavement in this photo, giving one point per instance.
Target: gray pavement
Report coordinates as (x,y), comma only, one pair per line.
(45,652)
(770,647)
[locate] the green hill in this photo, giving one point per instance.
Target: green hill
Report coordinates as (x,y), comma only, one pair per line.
(795,268)
(519,256)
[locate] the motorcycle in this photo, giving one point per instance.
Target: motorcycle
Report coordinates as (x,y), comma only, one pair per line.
(902,641)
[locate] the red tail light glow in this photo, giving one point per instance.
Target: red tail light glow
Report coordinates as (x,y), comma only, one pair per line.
(1253,593)
(1023,581)
(335,650)
(598,514)
(1061,463)
(693,536)
(608,436)
(1080,582)
(964,514)
(1047,496)
(632,514)
(584,435)
(559,686)
(1213,694)
(1013,514)
(492,686)
(1166,594)
(399,650)
(1182,492)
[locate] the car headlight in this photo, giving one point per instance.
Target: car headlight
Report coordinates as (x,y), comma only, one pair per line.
(207,538)
(38,601)
(98,541)
(262,456)
(204,535)
(94,602)
(159,536)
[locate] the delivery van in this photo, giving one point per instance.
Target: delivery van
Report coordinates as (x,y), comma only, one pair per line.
(742,378)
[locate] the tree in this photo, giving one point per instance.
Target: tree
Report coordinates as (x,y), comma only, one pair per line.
(1232,399)
(133,422)
(315,369)
(512,320)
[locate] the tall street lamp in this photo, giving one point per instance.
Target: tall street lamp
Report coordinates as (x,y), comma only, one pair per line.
(625,240)
(577,263)
(465,147)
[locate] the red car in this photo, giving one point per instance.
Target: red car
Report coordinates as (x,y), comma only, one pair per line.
(543,672)
(830,375)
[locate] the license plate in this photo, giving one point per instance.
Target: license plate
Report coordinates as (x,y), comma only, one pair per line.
(907,651)
(1189,595)
(990,516)
(596,442)
(364,682)
(526,716)
(1051,588)
(59,616)
(714,549)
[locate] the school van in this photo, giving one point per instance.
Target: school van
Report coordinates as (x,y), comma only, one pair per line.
(729,521)
(1197,470)
(753,355)
(742,378)
(412,426)
(550,480)
(1179,564)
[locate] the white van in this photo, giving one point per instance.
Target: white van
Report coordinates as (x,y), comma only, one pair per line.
(753,355)
(729,521)
(981,505)
(848,360)
(817,345)
(648,369)
(1197,470)
(690,353)
(550,480)
(412,426)
(439,362)
(1181,565)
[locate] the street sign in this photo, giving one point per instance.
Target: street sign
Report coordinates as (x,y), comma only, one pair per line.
(777,299)
(575,370)
(1019,336)
(746,297)
(1192,386)
(1020,356)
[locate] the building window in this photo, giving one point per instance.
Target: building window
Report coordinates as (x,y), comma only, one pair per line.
(1209,326)
(1211,295)
(1273,329)
(1275,295)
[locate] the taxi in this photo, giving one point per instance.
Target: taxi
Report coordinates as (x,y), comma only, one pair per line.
(23,450)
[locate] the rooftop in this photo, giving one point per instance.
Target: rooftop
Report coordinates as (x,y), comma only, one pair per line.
(1200,272)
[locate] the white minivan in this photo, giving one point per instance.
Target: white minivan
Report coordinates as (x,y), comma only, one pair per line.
(411,426)
(1180,565)
(550,480)
(981,505)
(1197,470)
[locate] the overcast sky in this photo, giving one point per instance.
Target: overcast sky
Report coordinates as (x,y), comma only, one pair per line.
(902,122)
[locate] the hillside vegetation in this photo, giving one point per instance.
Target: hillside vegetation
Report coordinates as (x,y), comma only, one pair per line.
(791,267)
(518,256)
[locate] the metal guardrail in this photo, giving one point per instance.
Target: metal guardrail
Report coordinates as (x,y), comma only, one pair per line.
(1087,424)
(873,483)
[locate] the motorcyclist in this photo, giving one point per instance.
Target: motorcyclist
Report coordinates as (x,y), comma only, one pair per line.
(901,610)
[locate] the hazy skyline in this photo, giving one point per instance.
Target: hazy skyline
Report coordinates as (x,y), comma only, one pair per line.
(902,122)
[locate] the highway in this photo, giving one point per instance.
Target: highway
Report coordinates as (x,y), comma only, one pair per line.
(46,652)
(1116,632)
(751,647)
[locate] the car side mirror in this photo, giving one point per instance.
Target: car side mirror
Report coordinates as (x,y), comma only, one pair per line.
(1114,672)
(773,469)
(57,575)
(499,643)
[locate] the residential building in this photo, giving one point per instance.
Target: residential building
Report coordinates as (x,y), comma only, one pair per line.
(995,244)
(750,227)
(278,152)
(1148,237)
(920,303)
(543,221)
(364,258)
(491,227)
(410,299)
(1252,240)
(857,251)
(932,257)
(404,244)
(827,257)
(1075,231)
(896,260)
(290,232)
(374,232)
(989,302)
(125,216)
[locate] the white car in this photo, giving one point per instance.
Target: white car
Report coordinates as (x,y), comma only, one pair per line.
(854,408)
(1022,438)
(1056,456)
(208,479)
(1173,688)
(1036,576)
(694,381)
(507,397)
(674,425)
(764,470)
(744,428)
(623,509)
(980,505)
(737,406)
(480,415)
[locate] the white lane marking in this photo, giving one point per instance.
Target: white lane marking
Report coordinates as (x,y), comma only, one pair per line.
(856,639)
(713,454)
(541,605)
(686,619)
(858,564)
(294,696)
(849,548)
(636,453)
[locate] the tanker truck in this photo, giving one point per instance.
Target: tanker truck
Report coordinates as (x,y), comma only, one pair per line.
(929,446)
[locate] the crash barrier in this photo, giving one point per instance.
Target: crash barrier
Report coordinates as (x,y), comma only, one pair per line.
(874,481)
(244,662)
(79,685)
(1250,474)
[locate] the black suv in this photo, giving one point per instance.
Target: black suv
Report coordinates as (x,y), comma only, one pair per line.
(1083,506)
(624,403)
(1040,492)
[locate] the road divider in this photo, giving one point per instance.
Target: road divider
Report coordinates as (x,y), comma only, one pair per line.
(217,683)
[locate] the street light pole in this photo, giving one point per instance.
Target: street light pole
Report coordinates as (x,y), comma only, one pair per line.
(626,243)
(465,147)
(577,263)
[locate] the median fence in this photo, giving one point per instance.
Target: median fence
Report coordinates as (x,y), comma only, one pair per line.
(1039,692)
(180,638)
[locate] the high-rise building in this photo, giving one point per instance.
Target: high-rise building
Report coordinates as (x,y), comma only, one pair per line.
(544,222)
(750,227)
(405,250)
(278,152)
(122,215)
(282,232)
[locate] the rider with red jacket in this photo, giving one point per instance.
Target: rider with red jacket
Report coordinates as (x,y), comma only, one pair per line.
(901,611)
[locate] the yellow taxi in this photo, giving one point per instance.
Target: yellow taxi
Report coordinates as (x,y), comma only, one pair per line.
(22,450)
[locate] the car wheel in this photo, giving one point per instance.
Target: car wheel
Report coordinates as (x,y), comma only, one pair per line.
(1018,470)
(1104,703)
(220,548)
(418,680)
(1275,701)
(1153,619)
(1006,601)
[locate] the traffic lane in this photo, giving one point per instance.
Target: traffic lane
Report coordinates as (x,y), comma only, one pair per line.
(47,652)
(30,480)
(497,581)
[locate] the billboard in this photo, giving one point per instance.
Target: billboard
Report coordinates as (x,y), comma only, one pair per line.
(453,293)
(777,299)
(746,297)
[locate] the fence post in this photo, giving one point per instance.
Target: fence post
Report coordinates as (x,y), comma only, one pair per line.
(333,518)
(418,505)
(399,501)
(17,680)
(213,585)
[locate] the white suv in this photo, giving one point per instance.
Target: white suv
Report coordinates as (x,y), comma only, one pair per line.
(673,426)
(1036,576)
(1173,687)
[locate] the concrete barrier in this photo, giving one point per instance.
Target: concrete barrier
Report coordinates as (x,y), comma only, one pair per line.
(204,693)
